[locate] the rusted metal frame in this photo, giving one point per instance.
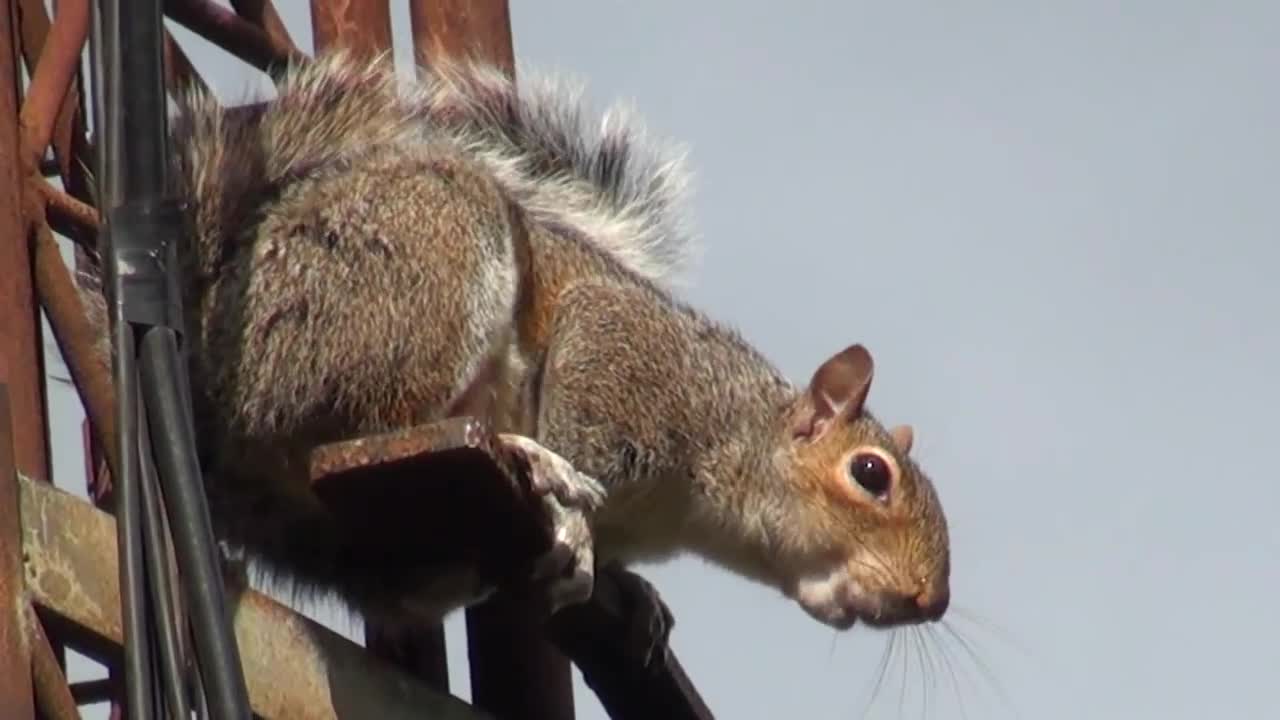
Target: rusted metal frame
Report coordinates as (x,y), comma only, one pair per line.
(16,680)
(360,26)
(294,666)
(51,77)
(89,692)
(21,350)
(635,674)
(456,29)
(76,338)
(53,696)
(69,141)
(65,211)
(263,14)
(443,489)
(238,36)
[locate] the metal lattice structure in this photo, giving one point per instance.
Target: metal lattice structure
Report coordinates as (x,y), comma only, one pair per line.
(59,583)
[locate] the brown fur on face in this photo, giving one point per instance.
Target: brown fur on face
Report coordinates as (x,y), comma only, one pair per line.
(883,559)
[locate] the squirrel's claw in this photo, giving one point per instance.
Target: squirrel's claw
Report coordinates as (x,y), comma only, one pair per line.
(569,496)
(567,571)
(550,474)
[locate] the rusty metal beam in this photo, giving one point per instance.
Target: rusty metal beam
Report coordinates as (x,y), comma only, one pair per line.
(51,77)
(440,490)
(53,696)
(455,29)
(361,26)
(233,33)
(634,674)
(21,359)
(16,682)
(294,667)
(76,339)
(69,139)
(263,14)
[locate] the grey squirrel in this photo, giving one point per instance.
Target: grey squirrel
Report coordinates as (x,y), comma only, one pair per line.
(366,254)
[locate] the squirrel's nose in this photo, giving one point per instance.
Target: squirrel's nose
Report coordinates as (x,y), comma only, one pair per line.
(933,603)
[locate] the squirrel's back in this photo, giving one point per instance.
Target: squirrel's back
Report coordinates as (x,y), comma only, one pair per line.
(608,184)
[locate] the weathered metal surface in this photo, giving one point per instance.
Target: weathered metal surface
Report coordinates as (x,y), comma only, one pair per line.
(68,132)
(51,79)
(88,692)
(420,651)
(263,14)
(15,649)
(515,671)
(69,210)
(21,361)
(76,339)
(462,28)
(633,678)
(294,667)
(433,493)
(238,36)
(361,26)
(53,697)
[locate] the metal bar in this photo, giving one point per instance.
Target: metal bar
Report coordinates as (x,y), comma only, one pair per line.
(361,26)
(162,578)
(51,78)
(21,360)
(179,473)
(457,29)
(69,129)
(635,676)
(53,697)
(294,667)
(76,339)
(15,652)
(515,671)
(89,692)
(263,14)
(233,33)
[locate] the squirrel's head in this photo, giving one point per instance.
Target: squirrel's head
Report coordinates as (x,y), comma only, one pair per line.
(873,544)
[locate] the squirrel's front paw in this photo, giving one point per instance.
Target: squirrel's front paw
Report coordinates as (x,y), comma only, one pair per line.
(567,571)
(550,474)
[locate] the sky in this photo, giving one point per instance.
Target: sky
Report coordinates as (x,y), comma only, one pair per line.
(1055,225)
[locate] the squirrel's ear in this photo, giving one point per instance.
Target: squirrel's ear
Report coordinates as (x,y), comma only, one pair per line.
(902,437)
(838,389)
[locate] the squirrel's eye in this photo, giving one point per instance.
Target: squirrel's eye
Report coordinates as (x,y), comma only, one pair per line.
(871,472)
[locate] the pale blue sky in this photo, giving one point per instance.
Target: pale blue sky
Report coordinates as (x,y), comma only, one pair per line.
(1055,225)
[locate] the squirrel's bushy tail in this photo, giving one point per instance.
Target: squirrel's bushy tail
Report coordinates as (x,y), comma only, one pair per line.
(609,183)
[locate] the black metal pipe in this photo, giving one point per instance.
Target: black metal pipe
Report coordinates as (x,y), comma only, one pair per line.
(192,528)
(170,662)
(133,595)
(143,229)
(144,118)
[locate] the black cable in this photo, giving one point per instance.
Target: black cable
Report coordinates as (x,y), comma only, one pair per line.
(192,528)
(170,665)
(137,655)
